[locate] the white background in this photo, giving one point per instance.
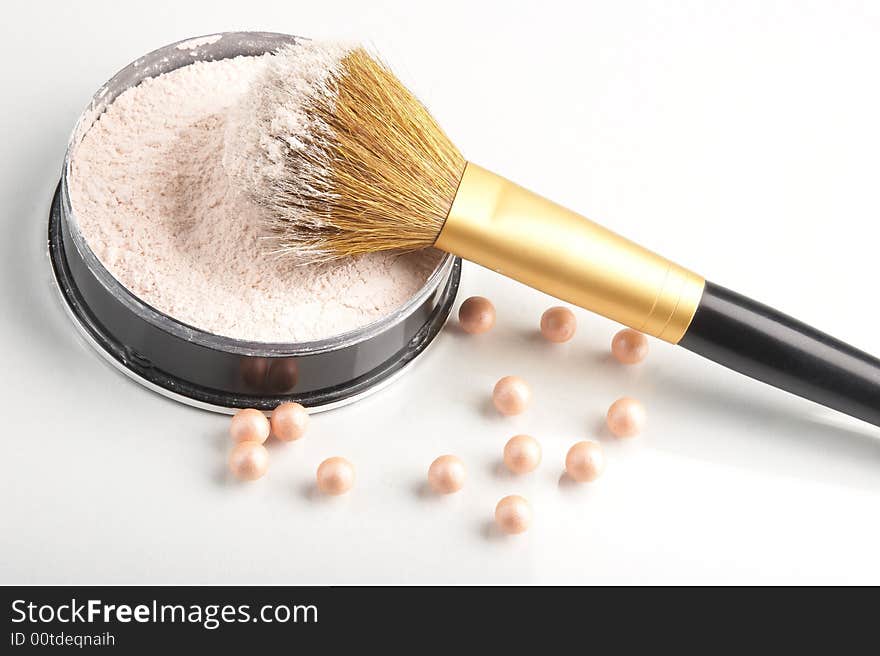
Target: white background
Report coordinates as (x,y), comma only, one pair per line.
(740,139)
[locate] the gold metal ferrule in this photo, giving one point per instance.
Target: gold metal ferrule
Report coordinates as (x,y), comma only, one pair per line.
(519,234)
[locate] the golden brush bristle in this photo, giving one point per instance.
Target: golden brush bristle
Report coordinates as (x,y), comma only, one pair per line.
(357,166)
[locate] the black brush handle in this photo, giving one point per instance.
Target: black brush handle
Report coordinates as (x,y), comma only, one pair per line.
(770,346)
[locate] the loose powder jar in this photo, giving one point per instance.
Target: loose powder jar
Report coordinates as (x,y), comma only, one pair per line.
(160,262)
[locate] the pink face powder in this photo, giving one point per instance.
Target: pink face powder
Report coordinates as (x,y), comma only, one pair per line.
(159,209)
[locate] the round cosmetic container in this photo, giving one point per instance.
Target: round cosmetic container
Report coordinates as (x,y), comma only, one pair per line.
(212,371)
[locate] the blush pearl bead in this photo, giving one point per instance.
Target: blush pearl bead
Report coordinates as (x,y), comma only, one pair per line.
(522,454)
(249,460)
(629,346)
(446,475)
(335,476)
(558,324)
(249,425)
(476,315)
(513,514)
(511,395)
(585,461)
(289,421)
(626,417)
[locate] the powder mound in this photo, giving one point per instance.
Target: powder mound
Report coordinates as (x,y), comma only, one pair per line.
(157,206)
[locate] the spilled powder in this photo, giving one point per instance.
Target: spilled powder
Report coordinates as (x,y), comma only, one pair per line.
(198,42)
(159,209)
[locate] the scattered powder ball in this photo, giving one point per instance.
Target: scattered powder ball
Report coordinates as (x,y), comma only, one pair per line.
(511,395)
(249,425)
(476,315)
(513,514)
(585,461)
(446,474)
(629,346)
(626,417)
(289,421)
(335,476)
(522,454)
(248,460)
(558,324)
(157,206)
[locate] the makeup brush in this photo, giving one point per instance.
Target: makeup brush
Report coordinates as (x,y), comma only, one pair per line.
(347,161)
